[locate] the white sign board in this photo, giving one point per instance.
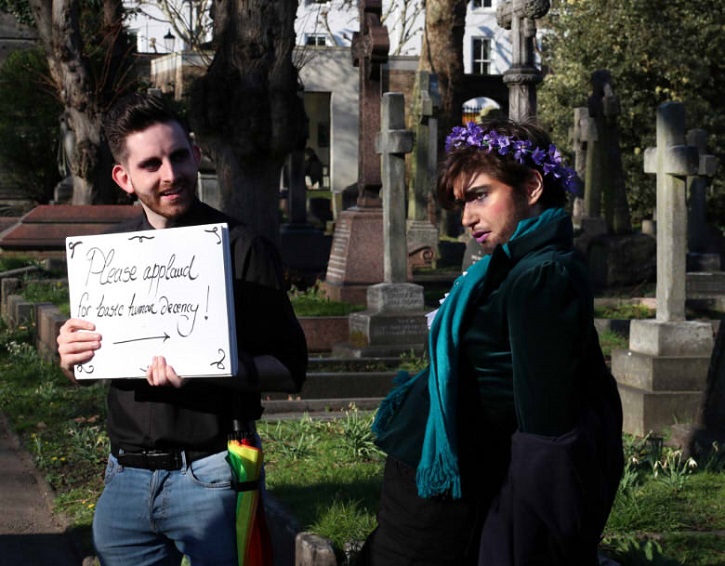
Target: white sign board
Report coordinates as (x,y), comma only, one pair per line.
(156,293)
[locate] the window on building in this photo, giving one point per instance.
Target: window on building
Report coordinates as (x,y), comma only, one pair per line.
(308,2)
(316,39)
(481,56)
(481,3)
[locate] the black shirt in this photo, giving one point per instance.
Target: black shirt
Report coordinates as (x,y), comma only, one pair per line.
(199,415)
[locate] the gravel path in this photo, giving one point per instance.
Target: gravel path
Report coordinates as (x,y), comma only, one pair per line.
(29,533)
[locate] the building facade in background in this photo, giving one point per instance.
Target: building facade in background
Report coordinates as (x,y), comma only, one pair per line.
(324,31)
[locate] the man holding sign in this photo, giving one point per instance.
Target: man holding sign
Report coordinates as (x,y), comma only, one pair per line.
(168,486)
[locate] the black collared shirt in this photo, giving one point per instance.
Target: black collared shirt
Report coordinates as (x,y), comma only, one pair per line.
(200,414)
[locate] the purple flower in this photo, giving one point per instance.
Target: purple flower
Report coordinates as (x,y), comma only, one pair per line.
(548,161)
(538,156)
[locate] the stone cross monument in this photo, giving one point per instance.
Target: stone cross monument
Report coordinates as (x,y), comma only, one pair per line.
(422,232)
(394,321)
(699,233)
(671,161)
(663,374)
(357,244)
(580,135)
(370,48)
(392,143)
(604,177)
(520,17)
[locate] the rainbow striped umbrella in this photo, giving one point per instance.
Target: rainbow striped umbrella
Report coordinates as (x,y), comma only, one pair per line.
(254,547)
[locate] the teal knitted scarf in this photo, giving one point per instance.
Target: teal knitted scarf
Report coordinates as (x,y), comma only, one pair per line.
(438,467)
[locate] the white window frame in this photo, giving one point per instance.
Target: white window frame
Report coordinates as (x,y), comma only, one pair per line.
(480,63)
(313,39)
(481,4)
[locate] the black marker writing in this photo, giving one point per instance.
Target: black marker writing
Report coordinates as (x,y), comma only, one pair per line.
(101,264)
(159,272)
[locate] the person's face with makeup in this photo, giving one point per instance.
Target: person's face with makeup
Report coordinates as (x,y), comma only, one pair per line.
(492,209)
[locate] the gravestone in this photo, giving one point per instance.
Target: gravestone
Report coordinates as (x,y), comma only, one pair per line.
(704,241)
(394,321)
(615,255)
(304,248)
(520,17)
(604,177)
(662,375)
(357,247)
(580,137)
(422,233)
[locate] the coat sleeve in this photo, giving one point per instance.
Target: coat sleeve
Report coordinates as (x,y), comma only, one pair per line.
(265,320)
(550,323)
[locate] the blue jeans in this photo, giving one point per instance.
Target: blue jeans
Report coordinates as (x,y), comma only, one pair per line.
(154,518)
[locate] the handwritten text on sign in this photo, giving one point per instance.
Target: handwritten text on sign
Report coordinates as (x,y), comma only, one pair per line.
(155,293)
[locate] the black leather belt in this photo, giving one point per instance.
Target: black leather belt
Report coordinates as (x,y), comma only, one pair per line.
(159,459)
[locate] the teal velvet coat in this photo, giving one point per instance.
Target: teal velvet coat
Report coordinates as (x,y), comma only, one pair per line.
(539,416)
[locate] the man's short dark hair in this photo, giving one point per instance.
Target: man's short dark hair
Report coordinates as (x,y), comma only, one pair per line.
(134,113)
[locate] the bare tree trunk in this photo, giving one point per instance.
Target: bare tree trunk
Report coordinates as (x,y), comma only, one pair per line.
(247,110)
(83,95)
(442,54)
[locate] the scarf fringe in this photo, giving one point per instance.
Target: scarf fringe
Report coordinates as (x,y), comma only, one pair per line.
(439,477)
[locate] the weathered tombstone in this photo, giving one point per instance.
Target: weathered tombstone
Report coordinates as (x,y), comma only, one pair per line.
(662,375)
(63,191)
(580,137)
(421,231)
(355,259)
(304,248)
(616,256)
(370,49)
(522,77)
(394,321)
(704,241)
(207,187)
(604,177)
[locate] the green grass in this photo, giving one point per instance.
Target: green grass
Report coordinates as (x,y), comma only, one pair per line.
(610,341)
(624,311)
(55,292)
(313,302)
(329,471)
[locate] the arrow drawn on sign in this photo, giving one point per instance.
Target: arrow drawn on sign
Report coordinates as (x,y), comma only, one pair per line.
(206,316)
(165,337)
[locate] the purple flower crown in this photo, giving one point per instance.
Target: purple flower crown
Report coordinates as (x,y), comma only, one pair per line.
(523,151)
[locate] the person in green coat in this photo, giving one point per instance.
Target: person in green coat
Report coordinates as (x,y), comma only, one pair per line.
(507,449)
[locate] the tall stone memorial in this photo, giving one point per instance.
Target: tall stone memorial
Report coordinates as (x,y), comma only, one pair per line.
(580,136)
(394,321)
(704,241)
(615,254)
(304,248)
(605,195)
(357,244)
(523,76)
(421,231)
(663,374)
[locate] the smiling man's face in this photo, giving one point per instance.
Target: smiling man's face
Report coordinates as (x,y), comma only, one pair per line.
(161,169)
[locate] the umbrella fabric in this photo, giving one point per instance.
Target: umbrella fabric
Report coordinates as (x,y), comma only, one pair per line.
(253,544)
